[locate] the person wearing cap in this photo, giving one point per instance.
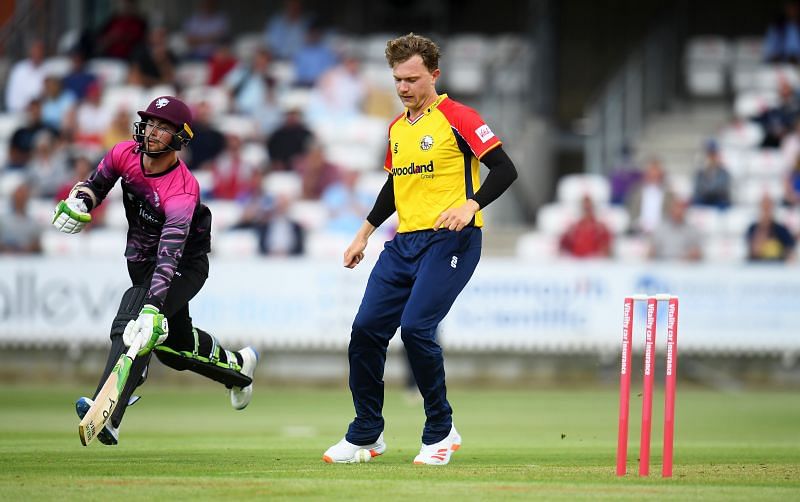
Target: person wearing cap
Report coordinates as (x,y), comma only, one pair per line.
(712,181)
(167,248)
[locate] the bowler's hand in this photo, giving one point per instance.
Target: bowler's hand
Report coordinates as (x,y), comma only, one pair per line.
(355,252)
(456,218)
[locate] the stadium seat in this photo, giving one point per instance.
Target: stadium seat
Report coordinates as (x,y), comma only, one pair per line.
(371,181)
(105,242)
(705,219)
(737,219)
(9,123)
(127,97)
(750,191)
(572,187)
(151,93)
(705,62)
(766,163)
(217,97)
(537,246)
(57,66)
(725,249)
(55,243)
(749,104)
(554,218)
(747,58)
(310,214)
(192,73)
(246,44)
(110,71)
(627,249)
(242,126)
(255,153)
(284,183)
(235,244)
(224,215)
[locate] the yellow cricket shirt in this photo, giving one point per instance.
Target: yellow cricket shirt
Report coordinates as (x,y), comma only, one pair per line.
(434,161)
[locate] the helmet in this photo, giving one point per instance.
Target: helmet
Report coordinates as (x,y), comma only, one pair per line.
(169,109)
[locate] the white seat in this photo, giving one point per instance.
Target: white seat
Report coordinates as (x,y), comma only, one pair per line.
(766,163)
(41,211)
(9,123)
(371,181)
(750,191)
(740,134)
(57,66)
(705,61)
(321,244)
(105,242)
(768,77)
(217,97)
(110,71)
(747,59)
(283,72)
(628,249)
(123,97)
(192,73)
(572,187)
(353,156)
(789,216)
(224,215)
(178,44)
(555,218)
(681,184)
(55,243)
(151,93)
(537,246)
(246,44)
(616,218)
(242,126)
(205,178)
(727,249)
(255,153)
(737,219)
(9,181)
(706,219)
(115,215)
(235,244)
(752,103)
(282,183)
(310,214)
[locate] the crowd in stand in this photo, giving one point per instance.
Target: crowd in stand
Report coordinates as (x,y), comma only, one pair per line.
(258,114)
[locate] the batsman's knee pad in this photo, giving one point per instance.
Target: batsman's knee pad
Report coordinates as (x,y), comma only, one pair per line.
(129,307)
(204,360)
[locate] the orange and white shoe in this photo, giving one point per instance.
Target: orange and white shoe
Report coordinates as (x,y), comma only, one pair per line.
(439,453)
(345,452)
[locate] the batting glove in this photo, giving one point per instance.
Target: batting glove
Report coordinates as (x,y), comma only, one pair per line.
(71,215)
(147,331)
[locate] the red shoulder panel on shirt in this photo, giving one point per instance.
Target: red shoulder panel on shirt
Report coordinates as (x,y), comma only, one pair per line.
(470,125)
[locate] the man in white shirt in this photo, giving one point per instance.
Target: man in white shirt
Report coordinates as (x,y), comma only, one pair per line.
(26,80)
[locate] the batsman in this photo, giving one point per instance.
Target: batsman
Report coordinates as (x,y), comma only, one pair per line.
(168,241)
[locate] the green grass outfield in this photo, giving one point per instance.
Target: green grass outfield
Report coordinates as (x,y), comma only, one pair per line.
(187,443)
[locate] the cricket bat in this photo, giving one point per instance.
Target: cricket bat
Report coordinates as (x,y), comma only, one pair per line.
(106,400)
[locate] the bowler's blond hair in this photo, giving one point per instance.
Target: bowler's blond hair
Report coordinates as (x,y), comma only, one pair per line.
(401,49)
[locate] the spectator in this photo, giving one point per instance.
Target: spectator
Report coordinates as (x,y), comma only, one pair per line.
(624,176)
(122,33)
(251,85)
(712,182)
(153,63)
(778,122)
(782,40)
(91,120)
(285,32)
(48,164)
(313,58)
(674,239)
(588,237)
(791,194)
(205,29)
(19,233)
(649,199)
(201,152)
(119,129)
(56,103)
(340,92)
(221,62)
(79,79)
(231,172)
(26,79)
(346,204)
(22,140)
(317,172)
(280,235)
(768,240)
(291,140)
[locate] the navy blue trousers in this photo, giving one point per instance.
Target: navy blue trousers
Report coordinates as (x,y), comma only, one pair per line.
(413,285)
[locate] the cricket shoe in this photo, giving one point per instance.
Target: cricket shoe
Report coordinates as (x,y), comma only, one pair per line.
(345,452)
(241,396)
(439,453)
(109,435)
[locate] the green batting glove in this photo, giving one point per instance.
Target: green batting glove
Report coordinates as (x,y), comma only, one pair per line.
(71,215)
(150,329)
